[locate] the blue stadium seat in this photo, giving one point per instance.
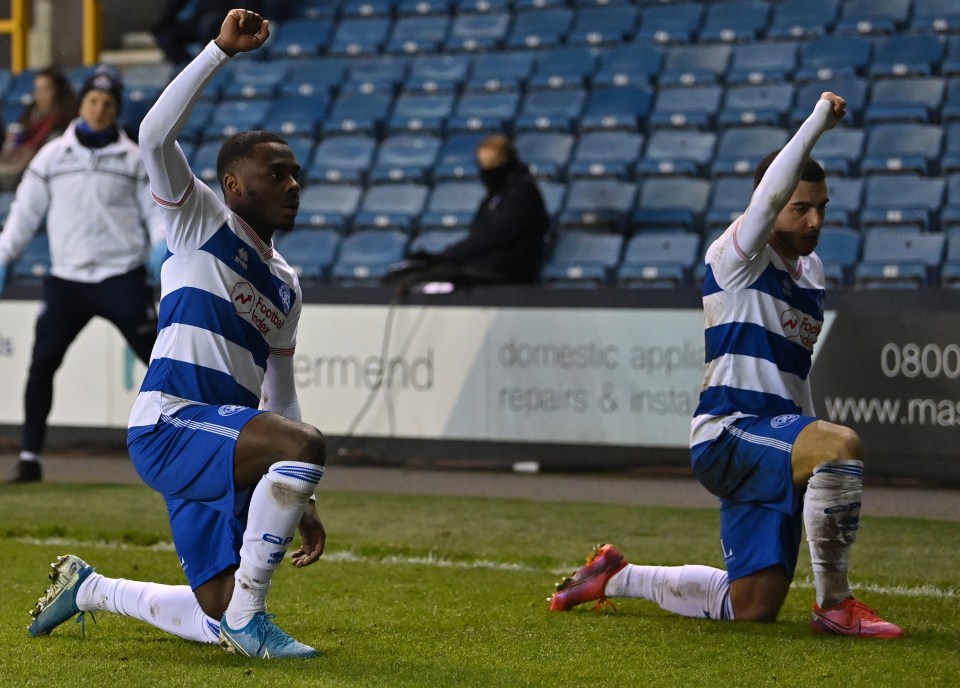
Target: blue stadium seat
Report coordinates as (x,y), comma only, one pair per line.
(296,115)
(602,205)
(310,252)
(611,154)
(409,8)
(540,28)
(907,55)
(700,268)
(872,16)
(33,264)
(355,112)
(950,161)
(846,200)
(950,215)
(342,159)
(854,91)
(391,206)
(366,8)
(457,158)
(329,206)
(695,64)
(839,151)
(803,19)
(299,38)
(762,62)
(366,256)
(310,9)
(616,107)
(553,110)
(909,99)
(900,259)
(249,79)
(740,149)
(546,152)
(197,122)
(418,34)
(437,73)
(684,151)
(730,197)
(563,68)
(420,112)
(405,158)
(935,15)
(603,25)
(20,88)
(902,200)
(145,76)
(675,22)
(582,259)
(554,197)
(482,6)
(950,273)
(659,260)
(477,32)
(359,36)
(315,77)
(735,20)
(839,251)
(374,72)
(232,116)
(135,105)
(766,104)
(628,64)
(831,57)
(951,104)
(525,5)
(302,147)
(902,148)
(686,106)
(671,202)
(501,71)
(435,241)
(484,112)
(452,205)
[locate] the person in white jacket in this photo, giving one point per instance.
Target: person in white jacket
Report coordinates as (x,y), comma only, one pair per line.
(91,187)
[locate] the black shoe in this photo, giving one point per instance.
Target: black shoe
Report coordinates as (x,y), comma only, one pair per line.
(27,472)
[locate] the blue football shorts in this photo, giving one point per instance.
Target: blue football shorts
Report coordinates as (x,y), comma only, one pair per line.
(761,514)
(188,458)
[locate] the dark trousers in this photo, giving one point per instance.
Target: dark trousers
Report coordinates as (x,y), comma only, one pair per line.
(125,300)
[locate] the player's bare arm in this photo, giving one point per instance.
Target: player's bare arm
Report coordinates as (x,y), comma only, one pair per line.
(242,31)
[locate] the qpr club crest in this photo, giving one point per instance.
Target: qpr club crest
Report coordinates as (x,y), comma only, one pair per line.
(230,409)
(784,420)
(285,298)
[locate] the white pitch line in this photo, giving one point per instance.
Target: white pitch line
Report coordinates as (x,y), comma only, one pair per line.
(430,559)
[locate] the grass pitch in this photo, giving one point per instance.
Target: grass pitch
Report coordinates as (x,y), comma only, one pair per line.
(441,591)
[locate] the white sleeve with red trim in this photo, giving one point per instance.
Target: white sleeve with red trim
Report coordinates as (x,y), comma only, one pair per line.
(279,391)
(172,182)
(779,182)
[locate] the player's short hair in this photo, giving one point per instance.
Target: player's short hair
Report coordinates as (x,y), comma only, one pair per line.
(812,171)
(238,147)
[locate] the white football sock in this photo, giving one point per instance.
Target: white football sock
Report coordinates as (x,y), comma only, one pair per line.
(171,608)
(276,507)
(831,517)
(698,591)
(29,456)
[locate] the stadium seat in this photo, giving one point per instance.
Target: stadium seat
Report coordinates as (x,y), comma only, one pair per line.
(484,112)
(950,273)
(136,103)
(695,64)
(729,198)
(342,159)
(831,57)
(146,76)
(839,151)
(802,19)
(310,252)
(353,9)
(359,36)
(601,205)
(554,197)
(908,99)
(296,115)
(563,68)
(700,267)
(675,22)
(457,157)
(628,64)
(735,20)
(606,154)
(686,106)
(950,215)
(355,112)
(409,8)
(766,104)
(309,9)
(33,264)
(846,199)
(907,55)
(935,15)
(616,107)
(540,28)
(477,32)
(853,90)
(405,158)
(299,38)
(872,16)
(951,104)
(435,241)
(329,206)
(839,251)
(314,77)
(552,110)
(419,34)
(391,206)
(902,200)
(671,202)
(436,73)
(740,149)
(546,152)
(420,113)
(659,260)
(950,160)
(197,122)
(900,259)
(367,74)
(903,148)
(762,62)
(365,257)
(501,71)
(452,205)
(482,6)
(603,25)
(668,152)
(232,116)
(582,259)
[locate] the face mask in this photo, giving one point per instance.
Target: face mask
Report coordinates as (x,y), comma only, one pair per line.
(495,178)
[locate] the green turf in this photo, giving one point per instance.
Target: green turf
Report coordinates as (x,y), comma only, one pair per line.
(435,591)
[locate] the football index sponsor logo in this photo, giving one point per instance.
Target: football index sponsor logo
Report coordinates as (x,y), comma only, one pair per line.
(798,327)
(784,420)
(242,297)
(230,409)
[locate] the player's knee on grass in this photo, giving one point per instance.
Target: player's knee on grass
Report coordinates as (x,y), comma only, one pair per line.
(759,596)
